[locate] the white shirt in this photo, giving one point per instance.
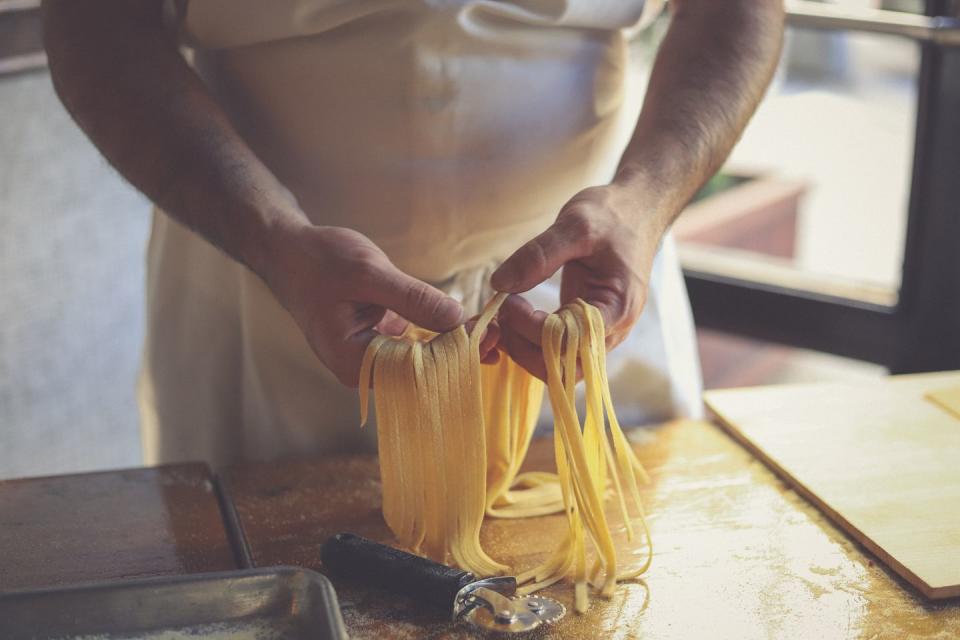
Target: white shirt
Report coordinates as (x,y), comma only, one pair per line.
(447,131)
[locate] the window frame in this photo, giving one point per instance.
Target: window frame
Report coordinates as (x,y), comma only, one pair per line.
(920,331)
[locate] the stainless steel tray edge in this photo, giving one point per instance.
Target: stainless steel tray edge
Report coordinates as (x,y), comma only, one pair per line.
(123,608)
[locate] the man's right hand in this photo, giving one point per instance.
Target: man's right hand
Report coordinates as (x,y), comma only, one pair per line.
(342,290)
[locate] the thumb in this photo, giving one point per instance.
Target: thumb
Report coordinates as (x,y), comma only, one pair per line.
(540,258)
(418,302)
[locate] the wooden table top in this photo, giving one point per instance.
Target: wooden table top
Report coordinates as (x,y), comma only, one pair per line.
(737,553)
(110,525)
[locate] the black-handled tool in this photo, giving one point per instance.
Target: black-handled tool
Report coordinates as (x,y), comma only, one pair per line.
(378,565)
(489,603)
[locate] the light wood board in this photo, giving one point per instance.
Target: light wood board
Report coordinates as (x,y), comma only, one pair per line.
(881,460)
(949,399)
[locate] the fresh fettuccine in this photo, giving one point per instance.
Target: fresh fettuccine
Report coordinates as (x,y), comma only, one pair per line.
(453,434)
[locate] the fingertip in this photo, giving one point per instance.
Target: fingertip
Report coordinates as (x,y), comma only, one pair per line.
(491,357)
(514,276)
(515,303)
(523,318)
(504,278)
(449,313)
(525,354)
(491,335)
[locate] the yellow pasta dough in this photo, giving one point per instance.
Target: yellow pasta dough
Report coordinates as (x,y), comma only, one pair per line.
(453,435)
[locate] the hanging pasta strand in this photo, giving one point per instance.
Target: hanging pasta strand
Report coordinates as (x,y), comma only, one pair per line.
(512,400)
(453,435)
(430,426)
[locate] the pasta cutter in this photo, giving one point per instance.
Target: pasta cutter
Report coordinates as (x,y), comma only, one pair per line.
(487,603)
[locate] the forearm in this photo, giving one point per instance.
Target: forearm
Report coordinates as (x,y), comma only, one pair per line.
(709,75)
(126,85)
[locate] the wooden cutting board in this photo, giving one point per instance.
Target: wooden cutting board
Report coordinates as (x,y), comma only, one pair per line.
(882,460)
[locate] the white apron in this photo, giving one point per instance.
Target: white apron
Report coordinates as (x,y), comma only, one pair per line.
(447,131)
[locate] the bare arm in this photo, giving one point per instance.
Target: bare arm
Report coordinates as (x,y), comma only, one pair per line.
(121,77)
(710,73)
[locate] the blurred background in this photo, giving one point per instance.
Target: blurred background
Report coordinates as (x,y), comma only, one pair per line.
(832,198)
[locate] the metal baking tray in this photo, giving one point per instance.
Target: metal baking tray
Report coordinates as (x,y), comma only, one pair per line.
(250,604)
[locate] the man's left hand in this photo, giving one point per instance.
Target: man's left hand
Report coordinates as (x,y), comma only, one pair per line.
(605,245)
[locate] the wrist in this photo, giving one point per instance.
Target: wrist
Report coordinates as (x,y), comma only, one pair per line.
(639,207)
(269,240)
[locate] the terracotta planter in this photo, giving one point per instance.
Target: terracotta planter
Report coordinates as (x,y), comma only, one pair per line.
(758,214)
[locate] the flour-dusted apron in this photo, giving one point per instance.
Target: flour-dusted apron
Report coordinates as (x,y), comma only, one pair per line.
(447,131)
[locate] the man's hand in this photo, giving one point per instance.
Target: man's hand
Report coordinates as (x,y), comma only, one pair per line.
(606,248)
(342,290)
(709,75)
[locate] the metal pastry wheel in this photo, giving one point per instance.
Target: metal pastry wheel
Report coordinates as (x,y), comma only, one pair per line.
(491,604)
